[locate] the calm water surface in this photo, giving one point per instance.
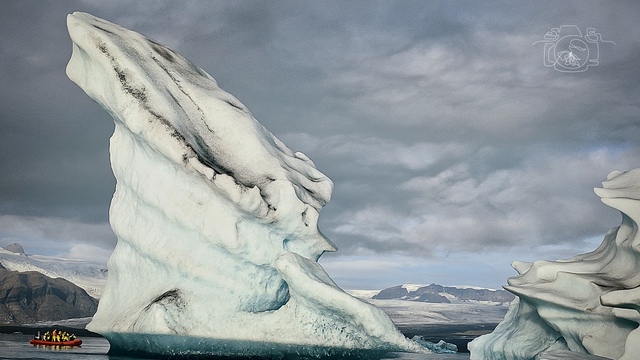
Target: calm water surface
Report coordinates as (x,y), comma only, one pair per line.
(16,346)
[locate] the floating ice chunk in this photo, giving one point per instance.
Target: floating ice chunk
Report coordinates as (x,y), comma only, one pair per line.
(441,347)
(216,219)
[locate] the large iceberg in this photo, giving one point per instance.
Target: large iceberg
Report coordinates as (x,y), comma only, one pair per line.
(585,307)
(216,218)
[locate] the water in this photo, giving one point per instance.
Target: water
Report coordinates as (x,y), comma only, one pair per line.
(16,346)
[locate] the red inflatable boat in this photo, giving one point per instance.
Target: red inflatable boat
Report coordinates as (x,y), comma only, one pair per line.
(74,342)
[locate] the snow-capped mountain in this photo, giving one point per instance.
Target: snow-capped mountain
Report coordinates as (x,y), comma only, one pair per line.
(28,297)
(90,276)
(435,293)
(409,314)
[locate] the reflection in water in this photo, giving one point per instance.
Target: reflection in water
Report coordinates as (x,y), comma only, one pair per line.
(16,346)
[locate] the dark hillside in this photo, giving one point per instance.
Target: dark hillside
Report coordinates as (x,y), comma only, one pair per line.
(29,297)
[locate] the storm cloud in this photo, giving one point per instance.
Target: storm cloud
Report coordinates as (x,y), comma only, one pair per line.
(446,135)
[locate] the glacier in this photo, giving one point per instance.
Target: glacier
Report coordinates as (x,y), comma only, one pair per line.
(586,307)
(216,219)
(89,275)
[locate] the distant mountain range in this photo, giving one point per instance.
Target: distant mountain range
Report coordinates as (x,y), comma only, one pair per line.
(40,288)
(435,293)
(91,276)
(29,297)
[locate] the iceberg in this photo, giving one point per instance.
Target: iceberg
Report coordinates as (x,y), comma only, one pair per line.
(584,307)
(216,219)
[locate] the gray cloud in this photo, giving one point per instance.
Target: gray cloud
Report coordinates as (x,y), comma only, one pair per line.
(56,236)
(438,122)
(54,162)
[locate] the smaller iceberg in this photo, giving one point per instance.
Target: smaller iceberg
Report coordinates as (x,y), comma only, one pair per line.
(216,219)
(441,347)
(587,306)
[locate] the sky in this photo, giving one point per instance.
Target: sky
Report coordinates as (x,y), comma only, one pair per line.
(454,144)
